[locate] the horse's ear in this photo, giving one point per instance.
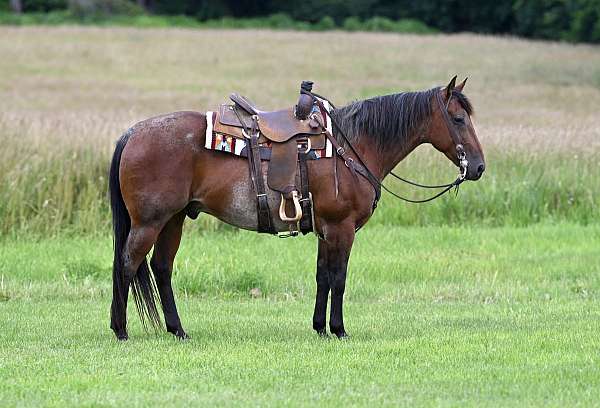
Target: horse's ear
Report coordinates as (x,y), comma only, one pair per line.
(460,86)
(450,87)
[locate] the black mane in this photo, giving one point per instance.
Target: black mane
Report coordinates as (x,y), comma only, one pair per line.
(389,120)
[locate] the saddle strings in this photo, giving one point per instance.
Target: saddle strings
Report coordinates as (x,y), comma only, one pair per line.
(447,187)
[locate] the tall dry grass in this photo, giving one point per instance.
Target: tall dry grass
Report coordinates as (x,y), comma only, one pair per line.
(67,93)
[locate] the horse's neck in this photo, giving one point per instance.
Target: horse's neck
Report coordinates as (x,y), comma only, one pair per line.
(381,163)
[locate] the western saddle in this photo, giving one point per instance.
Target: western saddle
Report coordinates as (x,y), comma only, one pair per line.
(290,134)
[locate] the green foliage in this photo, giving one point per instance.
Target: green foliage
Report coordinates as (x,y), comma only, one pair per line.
(43,6)
(326,23)
(384,24)
(275,21)
(379,24)
(352,24)
(569,20)
(50,18)
(93,9)
(585,24)
(281,20)
(99,13)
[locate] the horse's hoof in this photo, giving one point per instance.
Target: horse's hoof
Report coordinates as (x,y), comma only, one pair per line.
(323,333)
(178,332)
(181,335)
(122,336)
(343,336)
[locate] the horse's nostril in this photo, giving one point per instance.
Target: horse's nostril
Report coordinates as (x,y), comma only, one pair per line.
(480,169)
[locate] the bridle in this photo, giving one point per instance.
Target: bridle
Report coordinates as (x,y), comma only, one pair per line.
(362,168)
(460,150)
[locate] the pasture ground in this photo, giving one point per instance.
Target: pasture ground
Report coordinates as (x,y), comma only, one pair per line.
(491,298)
(438,316)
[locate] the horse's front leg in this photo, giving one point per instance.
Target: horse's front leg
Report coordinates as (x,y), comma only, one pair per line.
(334,252)
(320,315)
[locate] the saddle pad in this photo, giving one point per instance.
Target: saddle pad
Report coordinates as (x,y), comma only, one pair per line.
(229,144)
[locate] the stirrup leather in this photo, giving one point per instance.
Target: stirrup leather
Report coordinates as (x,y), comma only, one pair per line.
(297,208)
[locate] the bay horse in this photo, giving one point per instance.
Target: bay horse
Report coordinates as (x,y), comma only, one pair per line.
(160,173)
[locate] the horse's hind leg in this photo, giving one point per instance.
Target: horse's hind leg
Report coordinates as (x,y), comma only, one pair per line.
(139,242)
(163,256)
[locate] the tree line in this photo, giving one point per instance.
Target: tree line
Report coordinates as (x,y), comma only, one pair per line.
(569,20)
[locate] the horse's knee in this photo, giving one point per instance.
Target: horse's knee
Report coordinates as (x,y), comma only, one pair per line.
(322,279)
(338,285)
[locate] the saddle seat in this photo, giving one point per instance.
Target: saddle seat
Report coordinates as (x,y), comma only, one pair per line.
(278,126)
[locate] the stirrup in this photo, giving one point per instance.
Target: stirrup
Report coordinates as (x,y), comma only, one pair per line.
(297,208)
(308,147)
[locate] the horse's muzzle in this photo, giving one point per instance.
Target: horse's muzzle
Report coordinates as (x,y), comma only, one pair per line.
(475,171)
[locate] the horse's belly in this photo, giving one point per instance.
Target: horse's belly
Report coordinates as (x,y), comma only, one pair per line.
(240,208)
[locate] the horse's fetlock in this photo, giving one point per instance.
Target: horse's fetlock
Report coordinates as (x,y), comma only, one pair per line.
(119,330)
(319,326)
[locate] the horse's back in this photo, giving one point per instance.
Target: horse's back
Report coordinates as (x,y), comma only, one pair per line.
(177,127)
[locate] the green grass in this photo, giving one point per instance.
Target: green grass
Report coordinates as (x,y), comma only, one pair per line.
(517,190)
(438,316)
(67,93)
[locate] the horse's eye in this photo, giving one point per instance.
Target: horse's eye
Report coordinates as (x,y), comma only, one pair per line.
(459,120)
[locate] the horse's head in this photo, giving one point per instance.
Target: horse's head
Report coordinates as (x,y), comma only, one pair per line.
(452,131)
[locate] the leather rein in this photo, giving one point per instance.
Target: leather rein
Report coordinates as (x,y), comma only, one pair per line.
(362,168)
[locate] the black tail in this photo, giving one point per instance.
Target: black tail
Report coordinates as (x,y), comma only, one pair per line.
(142,285)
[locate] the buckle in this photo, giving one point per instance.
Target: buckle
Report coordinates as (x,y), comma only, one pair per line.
(463,163)
(291,233)
(460,152)
(247,136)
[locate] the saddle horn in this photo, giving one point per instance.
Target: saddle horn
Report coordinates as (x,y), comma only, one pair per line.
(305,102)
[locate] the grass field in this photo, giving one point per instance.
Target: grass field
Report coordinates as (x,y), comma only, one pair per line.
(443,316)
(67,93)
(491,298)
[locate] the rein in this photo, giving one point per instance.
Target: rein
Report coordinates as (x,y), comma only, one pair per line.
(378,185)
